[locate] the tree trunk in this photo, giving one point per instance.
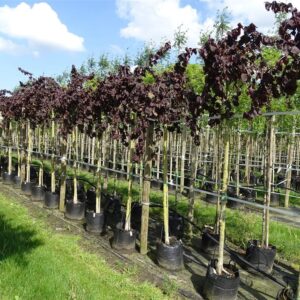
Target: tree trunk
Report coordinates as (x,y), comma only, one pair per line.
(247,160)
(223,206)
(98,184)
(130,179)
(171,158)
(29,149)
(182,162)
(194,152)
(146,189)
(63,175)
(165,187)
(268,183)
(237,165)
(158,160)
(291,147)
(9,148)
(75,142)
(53,156)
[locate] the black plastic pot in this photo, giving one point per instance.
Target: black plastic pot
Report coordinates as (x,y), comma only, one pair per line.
(112,211)
(86,166)
(136,215)
(261,258)
(156,184)
(176,224)
(17,182)
(208,245)
(234,204)
(275,199)
(221,287)
(122,176)
(51,200)
(74,211)
(7,178)
(94,221)
(170,257)
(26,188)
(248,194)
(90,203)
(123,240)
(37,193)
(213,199)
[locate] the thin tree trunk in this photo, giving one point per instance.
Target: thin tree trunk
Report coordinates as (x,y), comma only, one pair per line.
(194,158)
(98,184)
(53,156)
(237,166)
(114,154)
(290,157)
(146,189)
(158,160)
(63,175)
(165,187)
(223,206)
(265,241)
(130,179)
(182,162)
(75,142)
(171,157)
(9,148)
(29,149)
(247,160)
(206,149)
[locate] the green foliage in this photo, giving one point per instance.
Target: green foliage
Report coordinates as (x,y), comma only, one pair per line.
(222,23)
(180,38)
(195,76)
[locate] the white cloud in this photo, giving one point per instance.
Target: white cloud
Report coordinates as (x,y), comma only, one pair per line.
(158,19)
(245,12)
(39,25)
(8,46)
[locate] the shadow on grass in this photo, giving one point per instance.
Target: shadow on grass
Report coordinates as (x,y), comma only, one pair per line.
(16,241)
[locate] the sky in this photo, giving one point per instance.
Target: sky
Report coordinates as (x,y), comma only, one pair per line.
(47,37)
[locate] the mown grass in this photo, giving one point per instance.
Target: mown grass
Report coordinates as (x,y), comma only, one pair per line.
(37,263)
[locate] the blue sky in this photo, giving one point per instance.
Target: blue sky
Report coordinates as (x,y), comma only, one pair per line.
(47,37)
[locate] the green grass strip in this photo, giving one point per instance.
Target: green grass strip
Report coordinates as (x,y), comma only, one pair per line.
(37,263)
